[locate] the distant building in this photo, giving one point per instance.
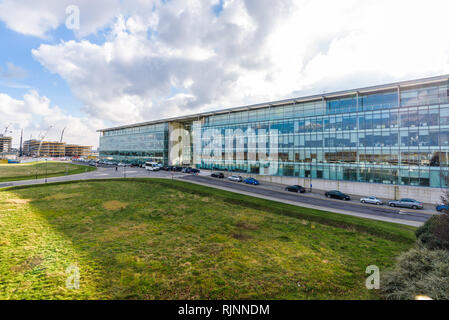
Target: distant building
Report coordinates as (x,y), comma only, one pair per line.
(5,144)
(54,149)
(29,146)
(47,149)
(73,150)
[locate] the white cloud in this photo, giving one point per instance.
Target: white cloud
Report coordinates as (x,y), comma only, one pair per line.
(35,114)
(178,57)
(133,76)
(38,18)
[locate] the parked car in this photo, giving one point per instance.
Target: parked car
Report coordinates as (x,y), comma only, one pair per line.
(295,188)
(372,200)
(251,181)
(191,170)
(177,169)
(335,194)
(406,203)
(442,207)
(217,175)
(151,166)
(235,178)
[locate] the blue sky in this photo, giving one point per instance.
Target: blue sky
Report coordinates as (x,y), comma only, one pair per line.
(132,61)
(16,48)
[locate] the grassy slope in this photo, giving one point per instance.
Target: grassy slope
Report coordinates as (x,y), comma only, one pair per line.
(174,240)
(27,171)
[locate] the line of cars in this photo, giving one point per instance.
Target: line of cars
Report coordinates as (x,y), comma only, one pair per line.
(180,169)
(402,203)
(335,194)
(236,178)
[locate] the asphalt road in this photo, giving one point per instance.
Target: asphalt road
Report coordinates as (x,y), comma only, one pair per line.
(366,209)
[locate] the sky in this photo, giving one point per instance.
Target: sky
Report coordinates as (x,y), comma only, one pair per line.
(129,61)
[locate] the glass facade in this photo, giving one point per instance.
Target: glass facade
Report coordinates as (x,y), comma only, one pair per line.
(397,136)
(143,143)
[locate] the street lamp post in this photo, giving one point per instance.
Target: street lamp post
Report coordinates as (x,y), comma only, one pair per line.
(46,170)
(310,175)
(124,168)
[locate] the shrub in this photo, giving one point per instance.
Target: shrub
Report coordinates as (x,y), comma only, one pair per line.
(434,234)
(418,272)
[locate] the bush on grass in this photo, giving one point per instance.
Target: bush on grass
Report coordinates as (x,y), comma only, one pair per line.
(434,234)
(419,271)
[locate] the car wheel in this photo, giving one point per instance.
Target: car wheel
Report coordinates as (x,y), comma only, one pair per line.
(363,201)
(392,205)
(328,196)
(378,203)
(414,207)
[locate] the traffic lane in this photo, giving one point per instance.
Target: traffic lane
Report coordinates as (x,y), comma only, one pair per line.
(354,200)
(343,205)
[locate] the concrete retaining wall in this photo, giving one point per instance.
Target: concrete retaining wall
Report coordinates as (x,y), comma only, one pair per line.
(427,195)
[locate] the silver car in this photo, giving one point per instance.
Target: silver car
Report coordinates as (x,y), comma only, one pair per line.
(372,200)
(235,178)
(406,203)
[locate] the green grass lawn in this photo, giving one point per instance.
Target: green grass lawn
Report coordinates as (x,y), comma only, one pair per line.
(162,239)
(28,171)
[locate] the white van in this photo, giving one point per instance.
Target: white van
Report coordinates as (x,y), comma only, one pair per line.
(152,166)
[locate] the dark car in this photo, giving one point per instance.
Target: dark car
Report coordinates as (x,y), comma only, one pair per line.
(217,175)
(295,188)
(177,169)
(335,194)
(191,170)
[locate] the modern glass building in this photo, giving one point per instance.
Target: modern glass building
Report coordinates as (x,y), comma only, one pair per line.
(393,134)
(141,143)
